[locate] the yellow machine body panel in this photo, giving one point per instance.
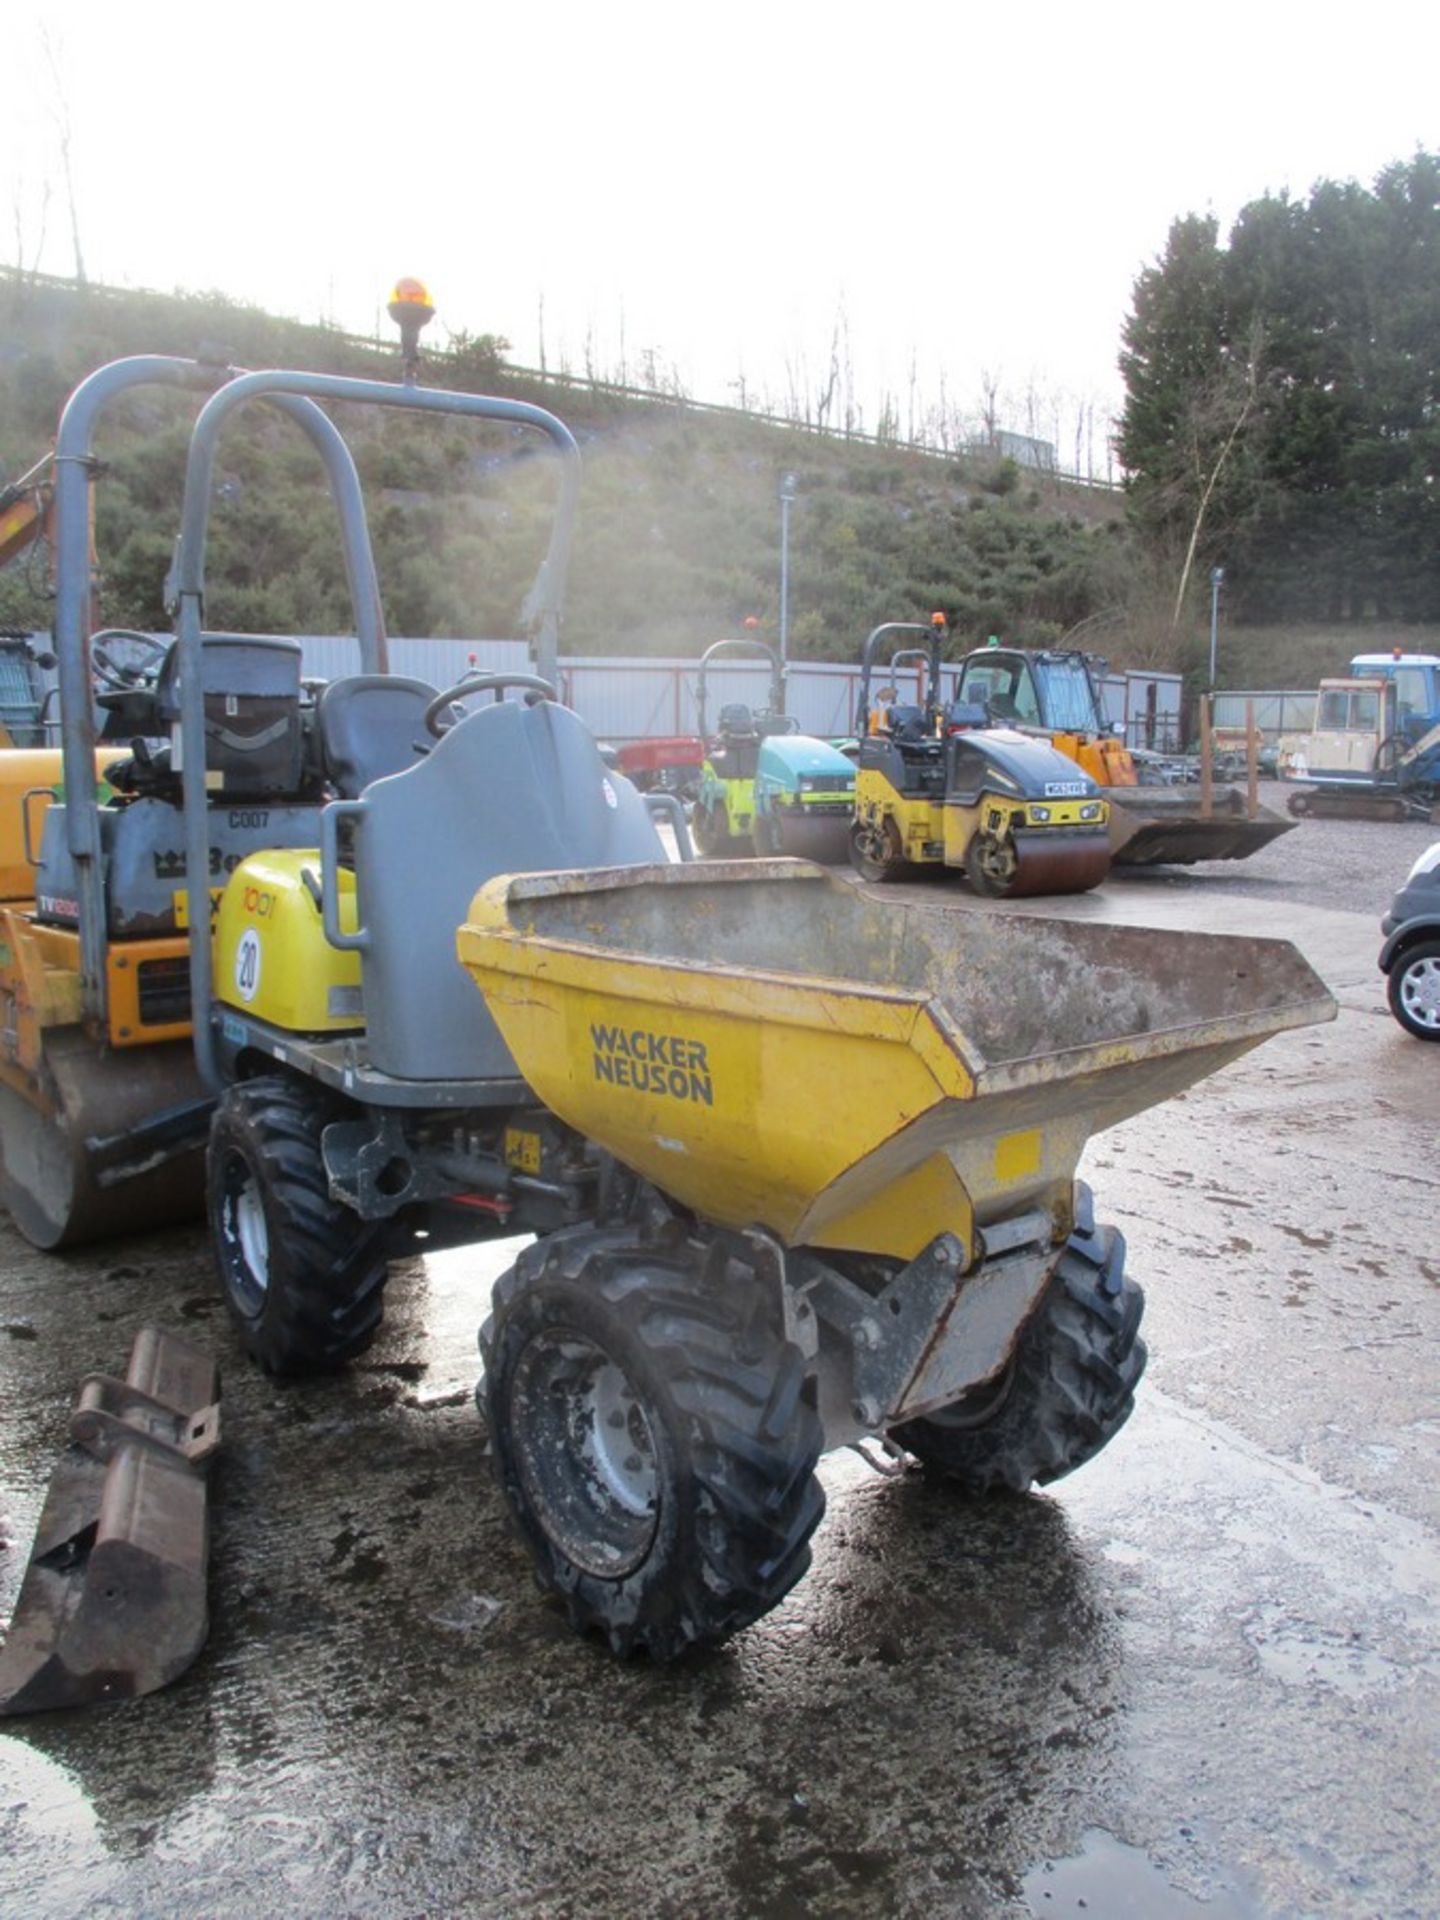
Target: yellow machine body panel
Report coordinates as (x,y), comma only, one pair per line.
(746,1119)
(30,777)
(991,814)
(934,830)
(920,823)
(272,959)
(146,993)
(1107,761)
(39,989)
(739,799)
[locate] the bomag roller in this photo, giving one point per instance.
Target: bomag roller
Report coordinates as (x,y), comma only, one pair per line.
(476,1001)
(765,787)
(942,787)
(1053,694)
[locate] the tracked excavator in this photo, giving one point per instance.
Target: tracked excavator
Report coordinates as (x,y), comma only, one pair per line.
(544,1027)
(1374,751)
(1053,694)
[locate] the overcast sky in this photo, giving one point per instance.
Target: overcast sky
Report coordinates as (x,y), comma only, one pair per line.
(968,190)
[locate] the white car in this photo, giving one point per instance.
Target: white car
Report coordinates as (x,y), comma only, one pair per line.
(1410,957)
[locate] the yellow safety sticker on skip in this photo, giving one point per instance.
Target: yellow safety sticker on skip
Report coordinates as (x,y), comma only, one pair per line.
(522,1150)
(1017,1156)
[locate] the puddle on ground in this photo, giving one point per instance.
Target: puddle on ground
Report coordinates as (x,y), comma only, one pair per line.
(1299,1654)
(1111,1881)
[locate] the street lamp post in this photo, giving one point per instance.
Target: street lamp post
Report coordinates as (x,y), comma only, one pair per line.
(787,495)
(1217,580)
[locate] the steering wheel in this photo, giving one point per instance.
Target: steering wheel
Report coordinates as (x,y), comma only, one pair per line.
(118,676)
(474,683)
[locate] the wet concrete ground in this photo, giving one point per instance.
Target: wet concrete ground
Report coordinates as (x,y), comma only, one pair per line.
(1201,1677)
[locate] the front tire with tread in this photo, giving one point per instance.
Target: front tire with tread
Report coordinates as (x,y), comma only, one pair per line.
(302,1275)
(655,1441)
(1068,1391)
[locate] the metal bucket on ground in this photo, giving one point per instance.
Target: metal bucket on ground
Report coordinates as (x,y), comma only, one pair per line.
(1155,826)
(113,1603)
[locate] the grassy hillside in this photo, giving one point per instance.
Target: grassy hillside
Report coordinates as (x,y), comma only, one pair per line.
(679,532)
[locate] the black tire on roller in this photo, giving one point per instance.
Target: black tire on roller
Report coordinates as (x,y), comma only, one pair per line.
(1067,1392)
(876,853)
(302,1275)
(991,865)
(710,829)
(1413,989)
(656,1444)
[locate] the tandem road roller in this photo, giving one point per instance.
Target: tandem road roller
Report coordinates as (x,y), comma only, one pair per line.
(765,787)
(939,786)
(468,993)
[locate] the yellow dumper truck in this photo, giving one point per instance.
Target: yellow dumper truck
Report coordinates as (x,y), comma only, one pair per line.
(798,1162)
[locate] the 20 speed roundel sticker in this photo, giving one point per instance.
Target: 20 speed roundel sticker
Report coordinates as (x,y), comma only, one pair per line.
(247,965)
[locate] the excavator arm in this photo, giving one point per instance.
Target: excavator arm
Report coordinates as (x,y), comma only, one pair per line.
(26,506)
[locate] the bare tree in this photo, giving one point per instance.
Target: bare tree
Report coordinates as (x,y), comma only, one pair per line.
(1217,415)
(18,210)
(990,405)
(825,396)
(61,110)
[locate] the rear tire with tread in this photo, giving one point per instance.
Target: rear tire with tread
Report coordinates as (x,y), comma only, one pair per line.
(302,1275)
(654,1440)
(876,852)
(1068,1391)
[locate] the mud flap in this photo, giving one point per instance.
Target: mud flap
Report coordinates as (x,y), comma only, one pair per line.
(113,1603)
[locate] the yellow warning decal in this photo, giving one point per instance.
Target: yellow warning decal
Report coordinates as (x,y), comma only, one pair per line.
(180,900)
(522,1150)
(1017,1156)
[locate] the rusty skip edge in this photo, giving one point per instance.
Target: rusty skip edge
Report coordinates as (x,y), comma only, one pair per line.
(114,1602)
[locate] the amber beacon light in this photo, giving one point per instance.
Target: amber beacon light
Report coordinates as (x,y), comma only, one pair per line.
(411,309)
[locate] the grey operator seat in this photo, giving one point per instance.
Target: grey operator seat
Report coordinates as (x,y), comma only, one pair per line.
(370,724)
(511,788)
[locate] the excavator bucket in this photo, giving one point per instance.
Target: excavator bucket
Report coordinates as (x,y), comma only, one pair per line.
(113,1603)
(1163,827)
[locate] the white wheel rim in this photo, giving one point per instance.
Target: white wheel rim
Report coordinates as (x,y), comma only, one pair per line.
(1420,993)
(253,1236)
